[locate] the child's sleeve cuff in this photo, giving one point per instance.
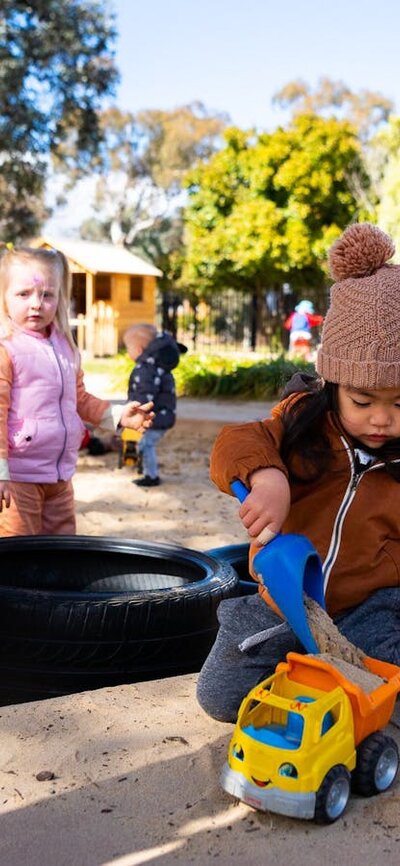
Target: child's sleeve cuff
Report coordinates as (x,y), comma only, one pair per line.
(4,470)
(110,420)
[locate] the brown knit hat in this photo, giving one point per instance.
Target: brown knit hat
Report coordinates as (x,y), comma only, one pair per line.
(360,343)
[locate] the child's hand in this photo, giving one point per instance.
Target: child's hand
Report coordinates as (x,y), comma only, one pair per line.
(267,505)
(5,495)
(137,416)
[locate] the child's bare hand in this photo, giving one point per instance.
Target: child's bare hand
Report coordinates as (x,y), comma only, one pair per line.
(5,495)
(137,416)
(267,505)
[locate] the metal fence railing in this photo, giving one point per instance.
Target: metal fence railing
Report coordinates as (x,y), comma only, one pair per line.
(229,321)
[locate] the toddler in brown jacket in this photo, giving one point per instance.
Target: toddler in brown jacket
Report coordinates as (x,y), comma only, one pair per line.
(325,465)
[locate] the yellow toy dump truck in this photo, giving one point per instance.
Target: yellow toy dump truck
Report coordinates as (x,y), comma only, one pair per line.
(308,734)
(128,454)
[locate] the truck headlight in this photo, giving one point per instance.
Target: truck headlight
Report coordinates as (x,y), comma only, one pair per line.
(288,770)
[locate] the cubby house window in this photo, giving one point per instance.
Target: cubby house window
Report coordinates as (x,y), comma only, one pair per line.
(78,295)
(102,287)
(136,289)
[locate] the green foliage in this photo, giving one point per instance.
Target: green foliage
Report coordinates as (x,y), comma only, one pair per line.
(214,376)
(210,376)
(56,64)
(385,164)
(265,208)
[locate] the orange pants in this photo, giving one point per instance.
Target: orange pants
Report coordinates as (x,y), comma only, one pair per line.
(39,509)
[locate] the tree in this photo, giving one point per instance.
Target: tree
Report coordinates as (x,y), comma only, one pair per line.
(385,171)
(142,162)
(162,244)
(56,65)
(123,192)
(365,110)
(141,165)
(264,210)
(176,140)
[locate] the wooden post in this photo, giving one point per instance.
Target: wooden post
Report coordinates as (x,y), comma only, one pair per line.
(80,335)
(89,315)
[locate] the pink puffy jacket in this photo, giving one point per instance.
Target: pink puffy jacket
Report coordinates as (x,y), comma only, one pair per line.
(43,402)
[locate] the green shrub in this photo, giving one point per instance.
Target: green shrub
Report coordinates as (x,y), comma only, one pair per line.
(200,375)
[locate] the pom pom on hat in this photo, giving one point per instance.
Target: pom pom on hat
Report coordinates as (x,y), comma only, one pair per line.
(360,344)
(359,252)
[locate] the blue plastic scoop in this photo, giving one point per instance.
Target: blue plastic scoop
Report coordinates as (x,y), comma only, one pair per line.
(289,566)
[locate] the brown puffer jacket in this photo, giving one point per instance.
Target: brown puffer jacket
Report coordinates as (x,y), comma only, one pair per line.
(353,519)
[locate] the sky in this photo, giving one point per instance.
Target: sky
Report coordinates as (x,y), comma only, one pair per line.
(234,55)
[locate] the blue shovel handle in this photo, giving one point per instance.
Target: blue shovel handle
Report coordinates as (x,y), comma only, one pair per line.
(289,566)
(239,489)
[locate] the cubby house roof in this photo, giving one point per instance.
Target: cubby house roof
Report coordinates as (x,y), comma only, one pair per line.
(100,257)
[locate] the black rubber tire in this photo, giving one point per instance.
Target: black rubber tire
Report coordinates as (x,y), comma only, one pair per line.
(377,765)
(238,557)
(333,795)
(80,612)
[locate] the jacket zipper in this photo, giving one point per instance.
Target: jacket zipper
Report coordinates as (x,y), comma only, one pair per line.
(349,495)
(61,455)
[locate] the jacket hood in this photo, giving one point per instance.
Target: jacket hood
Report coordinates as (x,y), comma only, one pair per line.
(164,350)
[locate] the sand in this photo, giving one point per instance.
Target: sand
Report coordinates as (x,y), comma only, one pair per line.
(187,509)
(136,767)
(362,677)
(337,650)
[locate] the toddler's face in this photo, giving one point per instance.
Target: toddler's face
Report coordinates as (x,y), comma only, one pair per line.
(372,417)
(32,295)
(135,345)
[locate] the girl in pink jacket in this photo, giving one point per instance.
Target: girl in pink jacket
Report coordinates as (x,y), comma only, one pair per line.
(43,402)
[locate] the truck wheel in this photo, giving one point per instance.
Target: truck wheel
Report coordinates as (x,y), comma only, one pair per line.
(333,795)
(377,765)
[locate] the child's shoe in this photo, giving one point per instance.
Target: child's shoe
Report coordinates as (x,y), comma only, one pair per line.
(147,481)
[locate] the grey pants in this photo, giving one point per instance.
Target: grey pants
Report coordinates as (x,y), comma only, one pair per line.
(231,669)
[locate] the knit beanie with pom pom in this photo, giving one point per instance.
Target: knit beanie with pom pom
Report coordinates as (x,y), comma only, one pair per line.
(360,344)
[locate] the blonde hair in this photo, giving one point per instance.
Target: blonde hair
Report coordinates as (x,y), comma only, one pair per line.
(142,329)
(56,262)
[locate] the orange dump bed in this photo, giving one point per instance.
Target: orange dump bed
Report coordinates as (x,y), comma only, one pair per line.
(371,711)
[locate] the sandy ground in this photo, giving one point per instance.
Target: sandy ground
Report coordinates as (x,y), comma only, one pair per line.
(132,772)
(134,781)
(186,509)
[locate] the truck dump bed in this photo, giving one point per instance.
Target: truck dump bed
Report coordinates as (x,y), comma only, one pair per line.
(371,710)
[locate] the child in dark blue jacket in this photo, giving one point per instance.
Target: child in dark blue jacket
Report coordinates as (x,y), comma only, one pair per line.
(156,355)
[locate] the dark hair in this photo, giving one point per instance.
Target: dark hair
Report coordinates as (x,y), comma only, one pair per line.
(303,422)
(304,436)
